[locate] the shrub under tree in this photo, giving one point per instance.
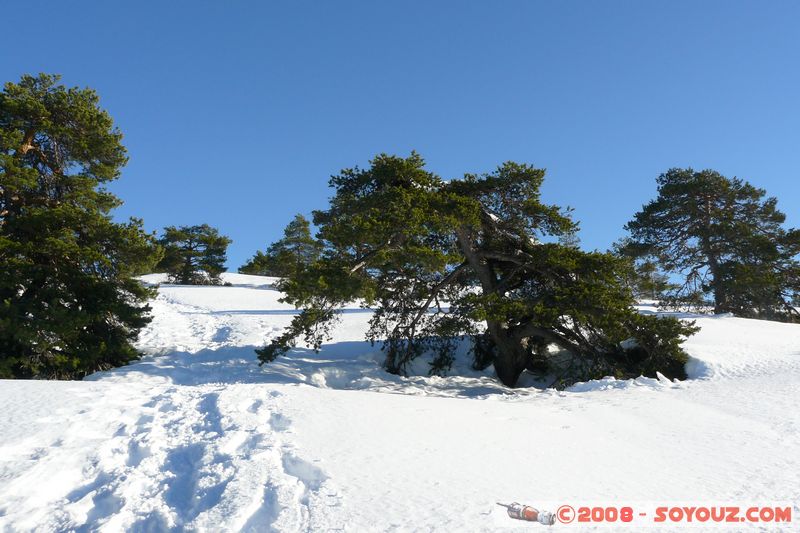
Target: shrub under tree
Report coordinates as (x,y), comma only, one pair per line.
(440,260)
(193,255)
(297,249)
(725,240)
(69,302)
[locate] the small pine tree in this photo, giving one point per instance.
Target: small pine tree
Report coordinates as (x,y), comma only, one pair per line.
(193,255)
(643,277)
(651,283)
(69,302)
(297,249)
(727,242)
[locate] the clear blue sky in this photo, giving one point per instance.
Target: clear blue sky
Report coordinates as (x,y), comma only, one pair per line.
(236,113)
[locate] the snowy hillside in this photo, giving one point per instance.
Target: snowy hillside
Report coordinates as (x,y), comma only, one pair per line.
(197,436)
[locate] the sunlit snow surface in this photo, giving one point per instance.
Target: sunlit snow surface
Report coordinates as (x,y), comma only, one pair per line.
(197,436)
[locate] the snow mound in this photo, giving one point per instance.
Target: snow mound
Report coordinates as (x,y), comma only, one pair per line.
(208,334)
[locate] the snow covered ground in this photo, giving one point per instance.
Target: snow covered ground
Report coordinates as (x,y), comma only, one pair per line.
(197,436)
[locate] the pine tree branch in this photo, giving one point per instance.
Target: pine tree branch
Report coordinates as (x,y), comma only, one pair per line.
(482,270)
(435,291)
(524,331)
(361,262)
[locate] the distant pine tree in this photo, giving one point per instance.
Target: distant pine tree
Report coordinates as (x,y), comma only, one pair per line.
(651,283)
(644,277)
(193,255)
(297,249)
(726,241)
(69,301)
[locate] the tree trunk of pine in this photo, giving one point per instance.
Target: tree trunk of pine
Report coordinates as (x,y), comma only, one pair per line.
(720,299)
(186,272)
(511,355)
(720,303)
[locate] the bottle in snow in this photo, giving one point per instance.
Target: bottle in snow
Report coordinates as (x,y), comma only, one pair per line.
(518,511)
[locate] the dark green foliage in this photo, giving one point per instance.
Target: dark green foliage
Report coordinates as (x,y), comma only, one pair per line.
(643,277)
(193,255)
(483,351)
(650,282)
(725,240)
(441,260)
(296,250)
(69,302)
(658,346)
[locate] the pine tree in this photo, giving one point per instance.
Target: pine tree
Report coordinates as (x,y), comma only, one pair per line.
(193,255)
(651,283)
(726,241)
(439,260)
(69,302)
(297,249)
(643,277)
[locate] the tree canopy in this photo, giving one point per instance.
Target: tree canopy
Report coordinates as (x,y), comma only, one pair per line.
(69,302)
(476,256)
(725,240)
(193,255)
(297,249)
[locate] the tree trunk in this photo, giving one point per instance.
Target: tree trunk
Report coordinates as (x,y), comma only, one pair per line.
(27,141)
(720,304)
(186,272)
(511,355)
(720,297)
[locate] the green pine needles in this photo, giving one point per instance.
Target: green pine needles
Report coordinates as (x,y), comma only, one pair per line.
(724,241)
(69,302)
(478,256)
(481,257)
(295,251)
(193,255)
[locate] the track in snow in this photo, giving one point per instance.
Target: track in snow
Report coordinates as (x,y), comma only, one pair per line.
(180,445)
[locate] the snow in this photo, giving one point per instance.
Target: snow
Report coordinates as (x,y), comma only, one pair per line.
(197,436)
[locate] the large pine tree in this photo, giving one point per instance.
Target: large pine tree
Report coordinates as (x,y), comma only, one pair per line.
(438,260)
(193,255)
(726,241)
(297,249)
(69,304)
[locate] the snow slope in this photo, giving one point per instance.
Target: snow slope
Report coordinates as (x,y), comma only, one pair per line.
(197,436)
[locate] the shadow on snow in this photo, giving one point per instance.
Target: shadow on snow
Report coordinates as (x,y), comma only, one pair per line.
(353,365)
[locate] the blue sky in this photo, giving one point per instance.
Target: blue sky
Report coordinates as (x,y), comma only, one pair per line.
(236,113)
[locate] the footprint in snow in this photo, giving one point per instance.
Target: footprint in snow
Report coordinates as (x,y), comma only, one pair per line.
(222,335)
(278,422)
(310,475)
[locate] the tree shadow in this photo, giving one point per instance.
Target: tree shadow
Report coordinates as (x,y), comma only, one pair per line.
(272,312)
(349,365)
